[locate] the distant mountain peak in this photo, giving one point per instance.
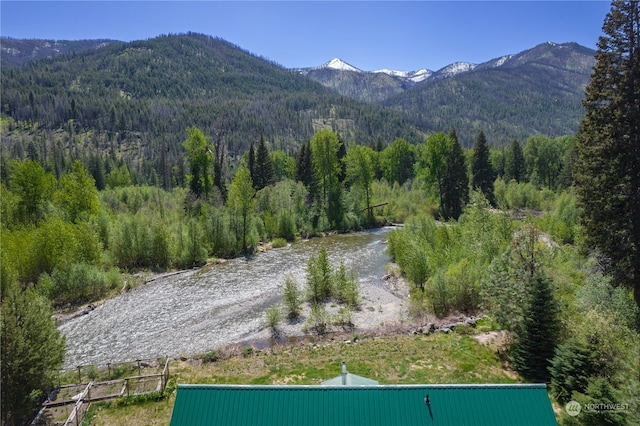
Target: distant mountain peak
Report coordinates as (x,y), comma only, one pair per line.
(455,68)
(339,64)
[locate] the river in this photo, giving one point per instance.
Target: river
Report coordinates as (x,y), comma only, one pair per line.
(196,311)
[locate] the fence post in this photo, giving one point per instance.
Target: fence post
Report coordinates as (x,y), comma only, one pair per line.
(79,374)
(109,369)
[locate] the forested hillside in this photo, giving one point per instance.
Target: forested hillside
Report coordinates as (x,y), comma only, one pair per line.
(135,100)
(17,52)
(536,91)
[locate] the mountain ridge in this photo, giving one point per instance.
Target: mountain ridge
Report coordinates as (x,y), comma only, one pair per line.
(424,74)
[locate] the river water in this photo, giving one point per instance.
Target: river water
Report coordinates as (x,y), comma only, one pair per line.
(196,311)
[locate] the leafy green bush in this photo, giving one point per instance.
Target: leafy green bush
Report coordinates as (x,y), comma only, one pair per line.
(292,297)
(346,288)
(278,243)
(274,317)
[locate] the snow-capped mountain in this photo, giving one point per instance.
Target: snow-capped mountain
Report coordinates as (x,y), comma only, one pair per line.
(414,76)
(454,69)
(408,77)
(339,64)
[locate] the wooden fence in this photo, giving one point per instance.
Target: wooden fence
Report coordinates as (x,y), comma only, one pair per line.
(68,404)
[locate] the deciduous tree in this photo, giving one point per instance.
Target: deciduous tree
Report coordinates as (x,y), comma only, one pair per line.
(242,200)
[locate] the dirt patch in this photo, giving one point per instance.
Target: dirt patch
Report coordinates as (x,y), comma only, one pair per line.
(497,340)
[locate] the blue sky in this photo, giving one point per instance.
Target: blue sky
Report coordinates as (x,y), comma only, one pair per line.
(367,34)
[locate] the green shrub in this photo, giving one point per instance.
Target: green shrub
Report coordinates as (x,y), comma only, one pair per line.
(292,297)
(347,288)
(274,317)
(278,243)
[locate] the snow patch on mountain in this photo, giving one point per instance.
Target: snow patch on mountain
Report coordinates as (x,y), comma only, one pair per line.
(502,60)
(339,64)
(415,76)
(455,68)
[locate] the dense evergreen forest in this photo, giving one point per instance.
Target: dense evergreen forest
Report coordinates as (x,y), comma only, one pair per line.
(134,100)
(515,232)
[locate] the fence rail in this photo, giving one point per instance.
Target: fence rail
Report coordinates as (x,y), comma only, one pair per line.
(68,404)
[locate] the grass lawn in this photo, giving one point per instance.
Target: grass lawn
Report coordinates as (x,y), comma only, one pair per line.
(402,359)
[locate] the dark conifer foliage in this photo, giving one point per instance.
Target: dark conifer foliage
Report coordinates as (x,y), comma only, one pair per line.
(264,172)
(482,174)
(607,169)
(135,96)
(539,332)
(456,184)
(514,165)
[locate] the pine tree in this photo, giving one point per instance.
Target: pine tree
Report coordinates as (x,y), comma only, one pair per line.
(482,175)
(514,167)
(32,351)
(265,173)
(456,183)
(538,333)
(607,169)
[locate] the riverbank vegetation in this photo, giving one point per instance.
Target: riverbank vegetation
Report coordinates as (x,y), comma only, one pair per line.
(71,244)
(540,236)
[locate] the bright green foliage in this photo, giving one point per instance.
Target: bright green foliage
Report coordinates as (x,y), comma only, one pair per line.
(76,283)
(33,186)
(219,232)
(396,161)
(361,174)
(77,194)
(447,263)
(482,174)
(324,282)
(433,161)
(284,166)
(200,159)
(319,278)
(319,320)
(538,333)
(274,317)
(292,297)
(607,169)
(192,250)
(346,287)
(32,353)
(242,201)
(326,169)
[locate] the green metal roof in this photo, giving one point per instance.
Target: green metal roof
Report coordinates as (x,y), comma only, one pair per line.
(402,405)
(351,380)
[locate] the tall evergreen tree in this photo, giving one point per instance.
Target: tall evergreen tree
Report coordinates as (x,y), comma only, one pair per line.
(265,173)
(482,175)
(607,169)
(539,332)
(32,351)
(456,183)
(514,167)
